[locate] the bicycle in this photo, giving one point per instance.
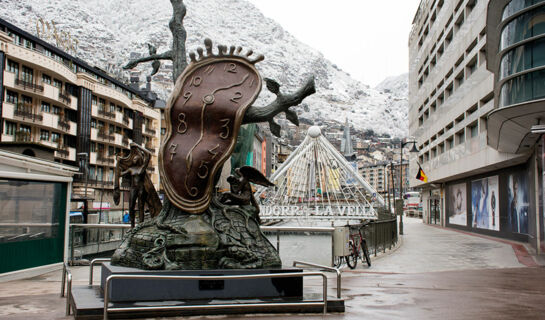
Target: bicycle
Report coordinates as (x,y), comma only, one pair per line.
(357,244)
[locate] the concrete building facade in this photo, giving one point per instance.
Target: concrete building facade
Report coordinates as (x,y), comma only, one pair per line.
(464,75)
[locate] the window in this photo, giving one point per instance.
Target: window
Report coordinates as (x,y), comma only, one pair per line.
(111,129)
(101,104)
(112,107)
(56,110)
(44,135)
(46,107)
(13,67)
(118,130)
(28,74)
(450,143)
(94,100)
(164,131)
(27,101)
(12,97)
(93,123)
(473,130)
(57,83)
(119,109)
(460,137)
(55,137)
(46,79)
(10,128)
(111,151)
(93,147)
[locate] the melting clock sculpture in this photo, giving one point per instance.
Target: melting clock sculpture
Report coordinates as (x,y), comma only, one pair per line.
(198,228)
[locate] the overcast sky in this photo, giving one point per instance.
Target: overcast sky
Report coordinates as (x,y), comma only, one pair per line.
(366,38)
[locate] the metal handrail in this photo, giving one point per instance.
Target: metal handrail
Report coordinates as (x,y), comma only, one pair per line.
(92,264)
(220,306)
(337,271)
(66,271)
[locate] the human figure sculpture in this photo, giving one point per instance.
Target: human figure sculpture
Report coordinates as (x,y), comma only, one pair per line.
(142,191)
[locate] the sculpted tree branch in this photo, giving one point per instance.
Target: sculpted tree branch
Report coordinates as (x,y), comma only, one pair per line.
(177,53)
(282,103)
(254,114)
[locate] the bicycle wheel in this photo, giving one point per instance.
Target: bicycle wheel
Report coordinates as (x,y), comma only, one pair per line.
(352,259)
(365,253)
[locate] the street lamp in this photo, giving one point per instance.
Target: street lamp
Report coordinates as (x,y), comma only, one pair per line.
(414,149)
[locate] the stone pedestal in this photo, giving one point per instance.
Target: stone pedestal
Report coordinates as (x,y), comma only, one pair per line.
(153,290)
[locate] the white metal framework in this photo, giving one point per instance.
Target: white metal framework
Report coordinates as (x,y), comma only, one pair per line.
(316,182)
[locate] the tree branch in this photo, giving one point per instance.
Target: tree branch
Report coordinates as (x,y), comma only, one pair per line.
(163,56)
(282,104)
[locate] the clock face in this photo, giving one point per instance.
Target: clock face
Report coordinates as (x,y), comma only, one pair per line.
(203,119)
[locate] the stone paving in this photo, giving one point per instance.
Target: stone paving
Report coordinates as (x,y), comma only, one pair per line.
(434,273)
(428,248)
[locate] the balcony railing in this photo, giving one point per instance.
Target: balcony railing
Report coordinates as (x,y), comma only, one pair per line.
(125,120)
(27,114)
(150,130)
(23,136)
(64,124)
(105,136)
(62,151)
(125,141)
(65,98)
(105,159)
(28,85)
(106,114)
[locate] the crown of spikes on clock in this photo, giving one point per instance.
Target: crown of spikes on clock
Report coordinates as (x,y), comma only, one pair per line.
(223,51)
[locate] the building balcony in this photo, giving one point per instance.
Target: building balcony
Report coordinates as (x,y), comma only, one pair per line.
(65,98)
(27,114)
(64,124)
(150,130)
(105,136)
(106,114)
(101,158)
(125,141)
(29,85)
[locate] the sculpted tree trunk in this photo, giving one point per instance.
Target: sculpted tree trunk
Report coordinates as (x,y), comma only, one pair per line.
(178,55)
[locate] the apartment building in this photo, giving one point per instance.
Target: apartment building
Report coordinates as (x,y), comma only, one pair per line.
(56,106)
(475,97)
(379,176)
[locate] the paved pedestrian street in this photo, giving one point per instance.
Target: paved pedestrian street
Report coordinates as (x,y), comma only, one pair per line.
(434,273)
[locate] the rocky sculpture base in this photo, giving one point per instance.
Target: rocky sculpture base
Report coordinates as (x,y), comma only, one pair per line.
(223,237)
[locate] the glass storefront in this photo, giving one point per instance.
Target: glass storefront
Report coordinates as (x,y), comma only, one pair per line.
(516,6)
(30,210)
(522,58)
(526,87)
(525,26)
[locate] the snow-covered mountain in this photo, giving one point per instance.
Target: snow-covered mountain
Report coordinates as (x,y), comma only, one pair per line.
(110,32)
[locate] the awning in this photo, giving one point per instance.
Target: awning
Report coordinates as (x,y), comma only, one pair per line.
(509,128)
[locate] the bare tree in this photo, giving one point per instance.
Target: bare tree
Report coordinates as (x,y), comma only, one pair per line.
(177,54)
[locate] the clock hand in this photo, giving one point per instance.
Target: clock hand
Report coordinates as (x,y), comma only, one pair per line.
(209,98)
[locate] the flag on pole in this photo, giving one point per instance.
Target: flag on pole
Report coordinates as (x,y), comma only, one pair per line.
(421,175)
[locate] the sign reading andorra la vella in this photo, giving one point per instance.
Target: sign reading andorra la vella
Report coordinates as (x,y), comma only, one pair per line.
(327,212)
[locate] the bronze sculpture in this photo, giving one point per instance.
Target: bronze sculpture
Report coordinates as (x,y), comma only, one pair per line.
(133,166)
(212,98)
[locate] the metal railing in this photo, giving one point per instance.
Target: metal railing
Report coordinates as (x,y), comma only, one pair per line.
(92,264)
(380,235)
(337,271)
(66,273)
(107,307)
